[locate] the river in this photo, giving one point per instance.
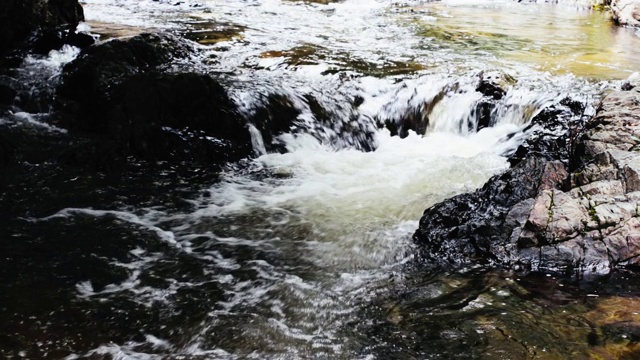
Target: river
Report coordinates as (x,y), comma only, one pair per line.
(308,253)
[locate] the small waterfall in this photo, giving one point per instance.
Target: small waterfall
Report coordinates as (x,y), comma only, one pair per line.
(351,115)
(256,141)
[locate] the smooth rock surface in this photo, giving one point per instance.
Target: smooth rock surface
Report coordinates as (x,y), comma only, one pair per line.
(123,93)
(576,215)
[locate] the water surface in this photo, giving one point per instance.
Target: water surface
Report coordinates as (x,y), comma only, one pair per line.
(308,254)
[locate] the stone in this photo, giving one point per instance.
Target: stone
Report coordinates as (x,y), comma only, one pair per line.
(121,93)
(632,82)
(494,83)
(7,95)
(19,19)
(570,211)
(626,12)
(56,39)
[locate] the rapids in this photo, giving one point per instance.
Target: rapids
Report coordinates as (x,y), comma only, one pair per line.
(308,254)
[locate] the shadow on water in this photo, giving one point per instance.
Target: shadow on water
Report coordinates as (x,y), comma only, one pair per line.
(493,314)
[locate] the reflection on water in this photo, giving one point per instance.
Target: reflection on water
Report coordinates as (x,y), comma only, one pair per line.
(377,38)
(489,314)
(555,38)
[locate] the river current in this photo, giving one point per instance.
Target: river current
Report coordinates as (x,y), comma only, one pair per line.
(308,254)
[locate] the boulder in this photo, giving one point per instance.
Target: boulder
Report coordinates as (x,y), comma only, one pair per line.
(19,19)
(121,93)
(571,215)
(626,12)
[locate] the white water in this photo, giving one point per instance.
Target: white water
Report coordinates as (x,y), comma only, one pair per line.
(299,243)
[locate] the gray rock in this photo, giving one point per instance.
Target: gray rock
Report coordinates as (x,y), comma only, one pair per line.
(575,217)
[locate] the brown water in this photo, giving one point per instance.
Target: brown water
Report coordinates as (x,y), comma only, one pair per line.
(559,39)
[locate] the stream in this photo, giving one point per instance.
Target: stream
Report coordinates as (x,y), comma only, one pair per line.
(308,253)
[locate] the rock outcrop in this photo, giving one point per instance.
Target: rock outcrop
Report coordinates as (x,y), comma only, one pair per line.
(568,215)
(21,18)
(123,93)
(626,12)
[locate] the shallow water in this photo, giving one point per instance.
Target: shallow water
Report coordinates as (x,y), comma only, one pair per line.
(308,254)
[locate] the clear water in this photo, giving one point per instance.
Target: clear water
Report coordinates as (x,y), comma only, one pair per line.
(308,254)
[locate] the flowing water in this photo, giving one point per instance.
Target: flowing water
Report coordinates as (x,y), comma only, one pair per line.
(308,254)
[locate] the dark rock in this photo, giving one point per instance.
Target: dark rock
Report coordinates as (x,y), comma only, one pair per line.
(7,151)
(552,132)
(56,39)
(119,93)
(79,39)
(467,228)
(632,82)
(277,115)
(21,18)
(7,95)
(339,126)
(494,84)
(90,79)
(415,119)
(561,208)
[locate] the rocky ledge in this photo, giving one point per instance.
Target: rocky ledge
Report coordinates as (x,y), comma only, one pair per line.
(576,215)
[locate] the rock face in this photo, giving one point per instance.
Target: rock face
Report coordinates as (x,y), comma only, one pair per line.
(21,18)
(545,214)
(121,93)
(626,12)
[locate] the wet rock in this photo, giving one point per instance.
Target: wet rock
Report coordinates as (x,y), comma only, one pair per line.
(99,70)
(416,119)
(632,82)
(570,215)
(55,40)
(339,126)
(21,18)
(275,116)
(626,12)
(7,95)
(494,83)
(552,132)
(121,93)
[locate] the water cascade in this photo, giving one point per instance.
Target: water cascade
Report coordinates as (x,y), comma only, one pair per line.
(361,114)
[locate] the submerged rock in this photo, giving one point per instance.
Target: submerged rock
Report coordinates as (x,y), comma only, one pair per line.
(494,83)
(121,92)
(21,18)
(572,215)
(626,12)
